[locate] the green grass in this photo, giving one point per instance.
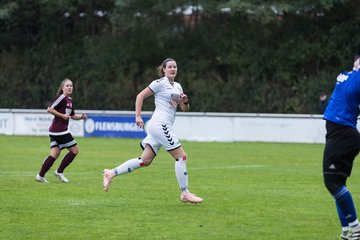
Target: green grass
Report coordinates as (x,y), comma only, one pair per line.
(250,190)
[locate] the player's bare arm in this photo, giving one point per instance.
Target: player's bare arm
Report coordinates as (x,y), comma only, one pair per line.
(138,105)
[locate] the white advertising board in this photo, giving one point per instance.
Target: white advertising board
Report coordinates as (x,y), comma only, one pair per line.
(251,128)
(37,124)
(6,123)
(190,126)
(301,130)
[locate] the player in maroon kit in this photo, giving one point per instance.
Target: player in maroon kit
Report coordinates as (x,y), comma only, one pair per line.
(60,137)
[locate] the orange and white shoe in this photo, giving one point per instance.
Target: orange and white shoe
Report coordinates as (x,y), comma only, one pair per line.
(188,197)
(108,175)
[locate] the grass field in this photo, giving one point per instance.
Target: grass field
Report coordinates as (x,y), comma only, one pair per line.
(250,190)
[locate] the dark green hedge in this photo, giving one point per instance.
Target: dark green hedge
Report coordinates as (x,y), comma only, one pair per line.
(242,61)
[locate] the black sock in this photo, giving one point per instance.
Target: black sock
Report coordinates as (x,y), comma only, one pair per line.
(66,161)
(48,162)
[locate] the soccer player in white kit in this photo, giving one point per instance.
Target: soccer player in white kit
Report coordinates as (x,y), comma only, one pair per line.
(168,96)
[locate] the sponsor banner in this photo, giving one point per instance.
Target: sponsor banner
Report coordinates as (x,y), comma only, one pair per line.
(113,126)
(36,124)
(6,123)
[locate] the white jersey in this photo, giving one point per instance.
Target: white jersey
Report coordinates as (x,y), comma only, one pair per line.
(167,98)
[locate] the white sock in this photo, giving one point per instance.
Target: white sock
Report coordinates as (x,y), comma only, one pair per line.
(345,231)
(354,224)
(181,174)
(128,166)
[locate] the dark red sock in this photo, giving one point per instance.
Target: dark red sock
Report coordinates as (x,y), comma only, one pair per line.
(66,161)
(48,162)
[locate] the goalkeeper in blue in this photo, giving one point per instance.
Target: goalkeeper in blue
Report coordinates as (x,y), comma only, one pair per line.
(342,146)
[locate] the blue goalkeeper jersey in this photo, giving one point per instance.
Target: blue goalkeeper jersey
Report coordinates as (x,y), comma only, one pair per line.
(343,106)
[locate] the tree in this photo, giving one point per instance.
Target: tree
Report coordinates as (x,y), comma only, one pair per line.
(233,56)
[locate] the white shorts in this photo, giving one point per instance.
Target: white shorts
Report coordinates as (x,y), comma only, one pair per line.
(160,135)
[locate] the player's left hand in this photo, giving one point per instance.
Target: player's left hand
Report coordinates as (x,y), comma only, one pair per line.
(184,97)
(139,122)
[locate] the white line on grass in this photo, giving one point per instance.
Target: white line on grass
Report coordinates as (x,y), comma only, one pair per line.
(27,174)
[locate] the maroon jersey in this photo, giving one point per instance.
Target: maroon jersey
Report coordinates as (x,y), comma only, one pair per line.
(64,105)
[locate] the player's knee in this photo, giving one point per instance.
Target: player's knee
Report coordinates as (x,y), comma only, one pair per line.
(75,152)
(334,182)
(55,154)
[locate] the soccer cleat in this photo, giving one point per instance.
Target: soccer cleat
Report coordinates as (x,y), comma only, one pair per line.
(39,178)
(61,177)
(355,235)
(107,174)
(186,197)
(342,237)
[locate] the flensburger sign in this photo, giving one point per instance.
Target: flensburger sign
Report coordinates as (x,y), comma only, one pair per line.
(113,126)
